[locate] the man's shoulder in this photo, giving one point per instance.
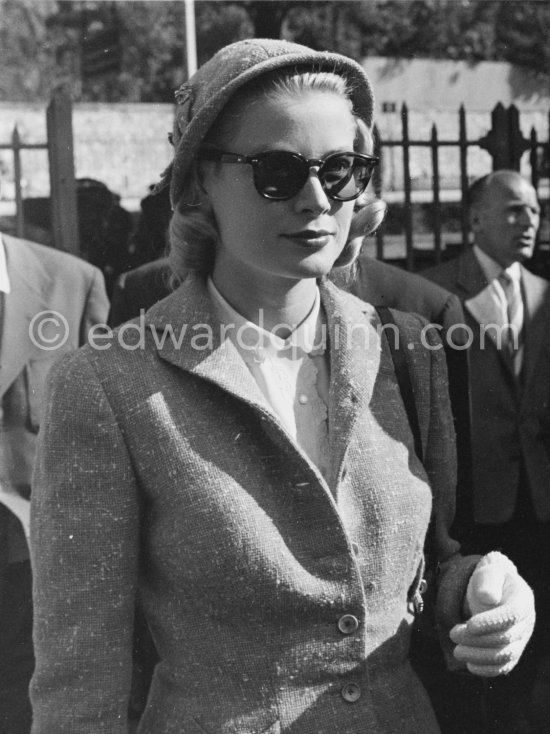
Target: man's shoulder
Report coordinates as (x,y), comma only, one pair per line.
(355,309)
(52,260)
(530,276)
(445,274)
(537,290)
(156,273)
(147,284)
(386,272)
(384,284)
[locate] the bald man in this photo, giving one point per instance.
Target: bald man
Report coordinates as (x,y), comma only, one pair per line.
(507,310)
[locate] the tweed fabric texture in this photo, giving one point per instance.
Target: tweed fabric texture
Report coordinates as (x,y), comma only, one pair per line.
(200,100)
(173,480)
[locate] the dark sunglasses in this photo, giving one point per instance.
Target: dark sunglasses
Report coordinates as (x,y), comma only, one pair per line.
(280,174)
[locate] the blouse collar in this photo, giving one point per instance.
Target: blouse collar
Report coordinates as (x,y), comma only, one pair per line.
(256,343)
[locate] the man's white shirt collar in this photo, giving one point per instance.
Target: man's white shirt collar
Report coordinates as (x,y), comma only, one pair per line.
(4,277)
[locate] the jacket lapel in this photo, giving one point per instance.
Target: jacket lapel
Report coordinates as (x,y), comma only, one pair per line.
(28,297)
(470,276)
(187,335)
(354,364)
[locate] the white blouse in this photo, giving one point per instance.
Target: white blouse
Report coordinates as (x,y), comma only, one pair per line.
(292,373)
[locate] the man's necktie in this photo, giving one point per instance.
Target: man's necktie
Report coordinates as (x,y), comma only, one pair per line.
(512,335)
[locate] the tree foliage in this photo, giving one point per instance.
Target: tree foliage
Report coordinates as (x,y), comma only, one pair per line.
(41,42)
(26,55)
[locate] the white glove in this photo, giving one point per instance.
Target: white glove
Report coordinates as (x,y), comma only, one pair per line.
(502,609)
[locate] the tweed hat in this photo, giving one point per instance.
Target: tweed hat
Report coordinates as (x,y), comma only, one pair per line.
(200,100)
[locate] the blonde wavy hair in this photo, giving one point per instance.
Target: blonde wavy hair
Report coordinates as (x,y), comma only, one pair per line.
(193,231)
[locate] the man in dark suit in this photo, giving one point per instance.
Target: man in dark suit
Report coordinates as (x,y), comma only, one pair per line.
(508,313)
(48,302)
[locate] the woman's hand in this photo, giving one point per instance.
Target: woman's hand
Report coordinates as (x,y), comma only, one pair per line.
(501,608)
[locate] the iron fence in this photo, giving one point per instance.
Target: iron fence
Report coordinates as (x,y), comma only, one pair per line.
(59,146)
(504,143)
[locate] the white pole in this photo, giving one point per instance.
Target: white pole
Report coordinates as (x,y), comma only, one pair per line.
(190,37)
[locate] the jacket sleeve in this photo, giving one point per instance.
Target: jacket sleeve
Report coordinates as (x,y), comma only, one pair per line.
(451,570)
(84,548)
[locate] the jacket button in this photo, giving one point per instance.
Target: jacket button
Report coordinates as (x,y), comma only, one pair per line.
(348,624)
(351,692)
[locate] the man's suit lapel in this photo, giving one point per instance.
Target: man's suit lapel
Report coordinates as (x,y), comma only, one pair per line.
(471,281)
(470,278)
(29,284)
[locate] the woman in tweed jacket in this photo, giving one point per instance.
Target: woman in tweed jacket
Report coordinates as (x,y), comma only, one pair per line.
(261,497)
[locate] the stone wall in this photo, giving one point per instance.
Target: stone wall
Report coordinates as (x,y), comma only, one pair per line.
(123,145)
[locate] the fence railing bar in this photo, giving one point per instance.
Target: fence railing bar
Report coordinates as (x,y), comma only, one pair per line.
(377,186)
(407,189)
(62,175)
(533,158)
(427,143)
(435,191)
(16,147)
(24,146)
(463,140)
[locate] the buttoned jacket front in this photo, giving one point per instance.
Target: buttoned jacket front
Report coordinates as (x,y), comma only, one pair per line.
(278,600)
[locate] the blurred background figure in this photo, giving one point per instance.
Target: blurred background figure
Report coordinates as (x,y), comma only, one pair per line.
(37,220)
(104,228)
(149,238)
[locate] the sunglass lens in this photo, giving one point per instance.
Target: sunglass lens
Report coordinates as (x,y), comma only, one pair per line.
(344,177)
(280,174)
